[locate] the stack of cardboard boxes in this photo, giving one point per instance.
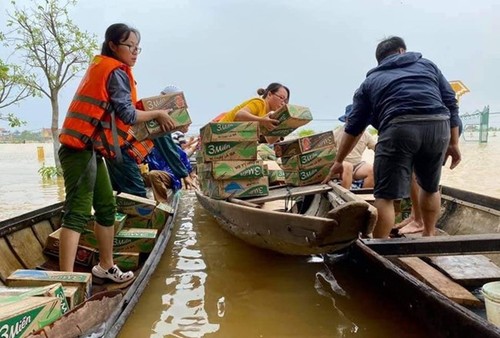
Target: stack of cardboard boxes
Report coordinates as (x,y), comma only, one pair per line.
(227,162)
(179,113)
(27,309)
(306,160)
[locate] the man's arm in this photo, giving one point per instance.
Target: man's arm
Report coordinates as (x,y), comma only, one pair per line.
(346,145)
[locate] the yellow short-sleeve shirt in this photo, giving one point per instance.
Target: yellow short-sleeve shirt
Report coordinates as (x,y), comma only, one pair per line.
(256,106)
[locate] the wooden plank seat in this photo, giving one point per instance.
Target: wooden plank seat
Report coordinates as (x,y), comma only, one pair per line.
(469,270)
(438,281)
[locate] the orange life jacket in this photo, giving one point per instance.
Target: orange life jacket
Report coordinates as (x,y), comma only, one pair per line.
(90,121)
(138,149)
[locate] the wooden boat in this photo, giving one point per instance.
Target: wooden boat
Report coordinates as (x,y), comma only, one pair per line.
(437,295)
(22,240)
(296,221)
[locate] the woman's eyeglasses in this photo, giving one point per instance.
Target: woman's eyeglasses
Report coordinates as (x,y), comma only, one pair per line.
(132,49)
(282,98)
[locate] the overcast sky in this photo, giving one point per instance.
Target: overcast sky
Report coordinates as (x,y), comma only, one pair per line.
(221,51)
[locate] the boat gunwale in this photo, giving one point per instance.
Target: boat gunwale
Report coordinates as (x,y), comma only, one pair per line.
(266,211)
(117,320)
(29,218)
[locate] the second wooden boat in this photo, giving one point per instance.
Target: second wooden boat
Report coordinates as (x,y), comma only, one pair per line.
(438,279)
(296,221)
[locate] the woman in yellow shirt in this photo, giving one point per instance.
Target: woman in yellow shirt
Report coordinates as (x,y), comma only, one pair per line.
(260,108)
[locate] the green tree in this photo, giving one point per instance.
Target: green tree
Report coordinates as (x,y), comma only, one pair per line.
(52,47)
(14,87)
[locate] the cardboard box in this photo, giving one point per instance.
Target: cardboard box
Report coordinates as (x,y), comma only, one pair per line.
(84,253)
(120,219)
(233,170)
(290,117)
(10,294)
(73,296)
(236,188)
(307,176)
(230,131)
(160,216)
(265,152)
(20,318)
(135,205)
(22,277)
(300,145)
(152,129)
(229,150)
(137,222)
(135,240)
(124,260)
(166,101)
(309,159)
(275,174)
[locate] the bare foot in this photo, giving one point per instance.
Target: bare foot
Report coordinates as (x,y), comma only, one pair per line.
(403,222)
(411,228)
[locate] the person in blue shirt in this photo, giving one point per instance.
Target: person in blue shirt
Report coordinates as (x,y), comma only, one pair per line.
(410,102)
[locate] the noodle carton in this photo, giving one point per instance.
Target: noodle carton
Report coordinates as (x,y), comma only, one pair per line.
(53,290)
(84,253)
(290,117)
(310,159)
(303,144)
(135,205)
(82,280)
(236,188)
(152,129)
(225,170)
(309,176)
(26,315)
(135,240)
(230,131)
(229,150)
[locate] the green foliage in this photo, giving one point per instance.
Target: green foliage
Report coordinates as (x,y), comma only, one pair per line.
(48,41)
(50,172)
(306,132)
(53,49)
(12,120)
(14,85)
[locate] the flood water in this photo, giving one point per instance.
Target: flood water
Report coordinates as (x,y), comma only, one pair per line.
(210,284)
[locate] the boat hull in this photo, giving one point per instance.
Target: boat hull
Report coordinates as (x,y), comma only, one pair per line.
(312,232)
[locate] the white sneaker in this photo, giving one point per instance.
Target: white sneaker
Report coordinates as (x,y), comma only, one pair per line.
(114,273)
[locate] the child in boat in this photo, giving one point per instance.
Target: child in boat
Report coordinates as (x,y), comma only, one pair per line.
(261,108)
(107,94)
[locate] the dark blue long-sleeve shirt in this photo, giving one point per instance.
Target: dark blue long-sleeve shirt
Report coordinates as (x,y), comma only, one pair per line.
(402,84)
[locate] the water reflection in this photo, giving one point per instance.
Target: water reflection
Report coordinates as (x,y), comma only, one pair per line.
(184,298)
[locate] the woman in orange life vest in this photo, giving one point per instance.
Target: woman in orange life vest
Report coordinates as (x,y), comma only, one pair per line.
(96,125)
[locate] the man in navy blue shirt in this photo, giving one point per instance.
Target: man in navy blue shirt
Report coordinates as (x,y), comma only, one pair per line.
(415,111)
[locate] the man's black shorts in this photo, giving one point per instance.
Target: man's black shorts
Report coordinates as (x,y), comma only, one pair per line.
(407,146)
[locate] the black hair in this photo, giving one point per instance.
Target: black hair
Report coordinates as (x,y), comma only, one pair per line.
(389,46)
(273,88)
(116,33)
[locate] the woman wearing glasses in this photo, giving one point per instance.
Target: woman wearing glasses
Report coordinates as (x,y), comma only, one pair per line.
(96,126)
(260,108)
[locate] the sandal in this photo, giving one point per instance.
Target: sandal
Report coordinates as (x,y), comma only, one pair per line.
(114,273)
